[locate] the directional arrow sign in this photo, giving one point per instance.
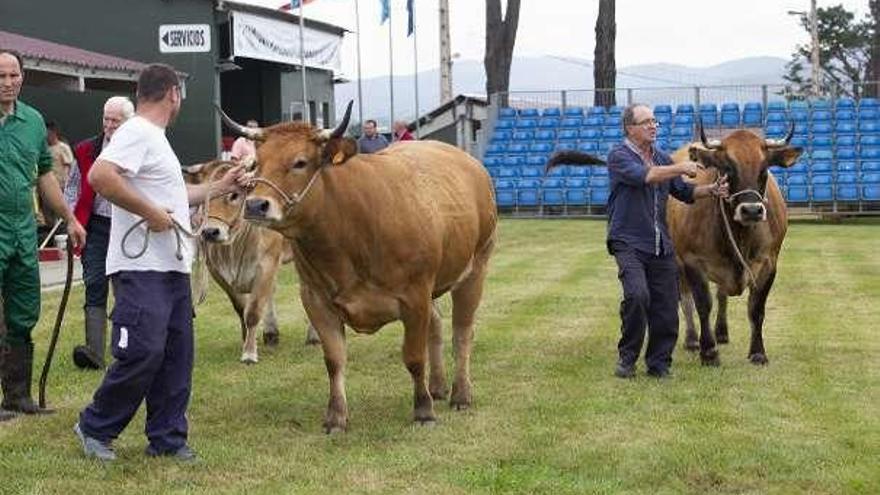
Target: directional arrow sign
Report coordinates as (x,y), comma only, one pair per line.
(184,38)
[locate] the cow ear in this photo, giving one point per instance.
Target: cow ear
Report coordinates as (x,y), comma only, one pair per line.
(709,158)
(784,157)
(338,150)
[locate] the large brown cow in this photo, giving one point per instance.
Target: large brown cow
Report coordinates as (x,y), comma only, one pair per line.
(375,239)
(734,243)
(244,260)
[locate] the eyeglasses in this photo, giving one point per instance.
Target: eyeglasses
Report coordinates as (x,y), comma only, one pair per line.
(647,122)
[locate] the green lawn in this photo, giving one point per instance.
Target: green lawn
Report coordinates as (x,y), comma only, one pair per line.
(548,415)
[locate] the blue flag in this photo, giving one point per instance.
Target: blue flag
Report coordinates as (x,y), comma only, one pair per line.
(411,26)
(386,11)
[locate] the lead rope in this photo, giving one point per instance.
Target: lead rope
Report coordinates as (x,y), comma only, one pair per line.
(752,281)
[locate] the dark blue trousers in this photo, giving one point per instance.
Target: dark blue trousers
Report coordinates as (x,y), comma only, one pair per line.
(94,261)
(650,300)
(152,342)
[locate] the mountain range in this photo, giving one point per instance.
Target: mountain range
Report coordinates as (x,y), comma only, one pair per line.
(540,79)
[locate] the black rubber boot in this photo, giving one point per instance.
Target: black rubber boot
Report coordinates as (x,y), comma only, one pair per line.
(16,381)
(91,355)
(4,414)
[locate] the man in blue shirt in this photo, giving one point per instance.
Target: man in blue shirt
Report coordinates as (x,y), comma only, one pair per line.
(642,178)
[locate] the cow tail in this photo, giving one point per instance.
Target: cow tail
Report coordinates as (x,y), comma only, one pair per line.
(571,157)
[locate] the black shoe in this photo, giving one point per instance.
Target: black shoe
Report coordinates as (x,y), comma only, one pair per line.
(659,374)
(625,370)
(183,454)
(84,358)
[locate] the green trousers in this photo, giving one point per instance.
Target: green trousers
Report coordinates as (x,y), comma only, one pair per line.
(19,277)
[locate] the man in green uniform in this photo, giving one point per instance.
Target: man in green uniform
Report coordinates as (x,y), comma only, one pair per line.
(25,161)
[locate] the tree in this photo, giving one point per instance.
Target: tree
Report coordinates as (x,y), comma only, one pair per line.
(844,53)
(874,68)
(500,38)
(604,67)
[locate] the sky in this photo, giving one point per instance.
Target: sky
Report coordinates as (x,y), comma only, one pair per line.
(695,33)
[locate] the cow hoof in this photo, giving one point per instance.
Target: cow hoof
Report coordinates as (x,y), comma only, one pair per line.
(692,345)
(270,339)
(722,339)
(333,429)
(759,358)
(426,422)
(249,358)
(439,394)
(710,359)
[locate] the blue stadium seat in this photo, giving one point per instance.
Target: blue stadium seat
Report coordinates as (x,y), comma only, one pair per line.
(821,105)
(571,122)
(578,182)
(777,118)
(845,153)
(612,133)
(821,178)
(531,172)
(869,115)
(566,145)
(868,103)
(496,149)
(596,111)
(730,107)
(548,123)
(801,167)
(848,141)
(844,128)
(847,166)
(675,144)
(598,181)
(523,135)
(683,120)
(844,104)
(616,110)
(501,135)
(870,178)
(504,184)
(847,192)
(821,167)
(526,123)
(598,171)
(775,131)
(870,166)
(663,119)
(845,116)
(536,160)
(576,197)
(592,134)
(682,132)
(605,147)
(684,108)
(506,172)
(552,112)
(870,154)
(517,148)
(598,195)
(530,183)
(752,119)
(822,193)
(612,121)
(505,198)
(560,171)
(567,134)
(797,194)
(507,112)
(708,108)
(579,172)
(594,121)
(799,105)
(821,116)
(553,183)
(869,141)
(871,192)
(528,112)
(662,109)
(545,135)
(847,178)
(822,128)
(796,180)
(527,197)
(588,147)
(540,148)
(663,132)
(514,161)
(800,141)
(822,154)
(504,124)
(753,106)
(800,116)
(573,111)
(776,106)
(493,161)
(553,197)
(662,144)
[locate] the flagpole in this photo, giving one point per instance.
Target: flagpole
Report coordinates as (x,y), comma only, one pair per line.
(357,21)
(391,64)
(302,62)
(416,60)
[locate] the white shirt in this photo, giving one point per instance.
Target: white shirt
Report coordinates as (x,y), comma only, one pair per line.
(151,168)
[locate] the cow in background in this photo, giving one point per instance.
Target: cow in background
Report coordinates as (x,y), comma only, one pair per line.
(376,238)
(735,243)
(244,260)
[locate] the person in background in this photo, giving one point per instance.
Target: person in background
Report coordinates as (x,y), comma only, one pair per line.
(243,147)
(401,132)
(371,141)
(25,161)
(94,211)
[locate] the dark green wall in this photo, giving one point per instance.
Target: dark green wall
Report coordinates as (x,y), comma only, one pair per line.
(128,29)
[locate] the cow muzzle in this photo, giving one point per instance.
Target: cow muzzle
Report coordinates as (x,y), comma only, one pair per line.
(750,213)
(261,210)
(215,234)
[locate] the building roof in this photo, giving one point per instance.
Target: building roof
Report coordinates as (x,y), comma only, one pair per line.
(282,14)
(35,50)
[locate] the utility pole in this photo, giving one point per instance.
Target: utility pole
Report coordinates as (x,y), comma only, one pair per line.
(814,34)
(445,54)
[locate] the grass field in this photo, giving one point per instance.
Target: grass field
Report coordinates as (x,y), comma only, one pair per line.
(548,416)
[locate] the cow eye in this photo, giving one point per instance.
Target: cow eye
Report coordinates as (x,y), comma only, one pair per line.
(300,163)
(233,197)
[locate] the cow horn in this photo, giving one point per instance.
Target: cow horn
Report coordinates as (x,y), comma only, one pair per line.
(257,134)
(327,135)
(781,143)
(710,145)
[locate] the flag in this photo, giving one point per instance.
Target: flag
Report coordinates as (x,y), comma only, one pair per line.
(386,11)
(411,26)
(295,4)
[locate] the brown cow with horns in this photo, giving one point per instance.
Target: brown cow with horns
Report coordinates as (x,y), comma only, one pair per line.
(735,242)
(376,238)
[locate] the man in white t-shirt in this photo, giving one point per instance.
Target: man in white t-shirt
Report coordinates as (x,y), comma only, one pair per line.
(152,338)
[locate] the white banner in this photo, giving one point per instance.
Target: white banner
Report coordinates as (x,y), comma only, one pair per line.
(277,41)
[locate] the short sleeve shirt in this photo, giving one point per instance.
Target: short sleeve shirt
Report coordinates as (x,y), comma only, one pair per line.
(151,168)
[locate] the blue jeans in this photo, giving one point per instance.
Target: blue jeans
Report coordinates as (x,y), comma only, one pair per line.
(152,342)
